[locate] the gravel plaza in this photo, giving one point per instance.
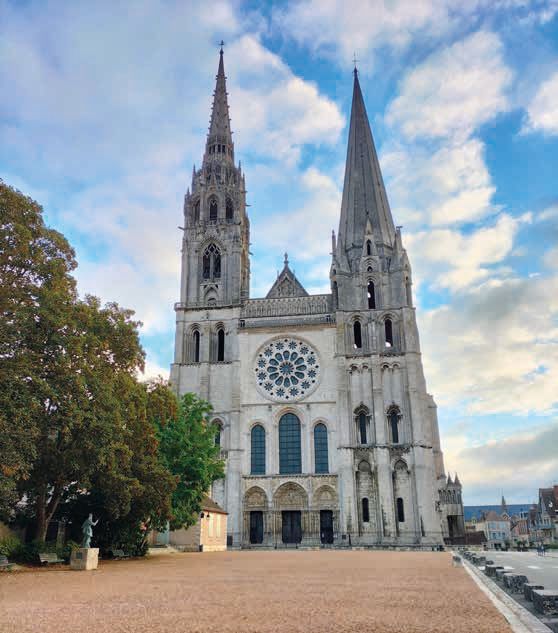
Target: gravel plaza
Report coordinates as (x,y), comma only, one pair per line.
(252,591)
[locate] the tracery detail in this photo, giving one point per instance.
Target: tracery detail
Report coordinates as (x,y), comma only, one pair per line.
(287,369)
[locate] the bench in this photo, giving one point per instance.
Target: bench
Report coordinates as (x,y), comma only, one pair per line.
(119,553)
(545,601)
(49,558)
(5,563)
(528,588)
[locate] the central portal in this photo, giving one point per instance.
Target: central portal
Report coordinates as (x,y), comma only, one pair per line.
(292,526)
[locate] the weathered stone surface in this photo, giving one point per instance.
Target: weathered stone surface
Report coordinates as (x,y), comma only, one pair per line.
(528,588)
(500,574)
(490,570)
(515,582)
(84,558)
(545,601)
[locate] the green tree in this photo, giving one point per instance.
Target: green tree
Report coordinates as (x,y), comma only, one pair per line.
(187,449)
(35,267)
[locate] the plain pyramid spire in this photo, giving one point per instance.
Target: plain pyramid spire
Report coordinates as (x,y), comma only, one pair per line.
(219,138)
(364,195)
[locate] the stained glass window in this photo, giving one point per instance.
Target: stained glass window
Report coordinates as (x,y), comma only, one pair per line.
(320,449)
(290,458)
(257,453)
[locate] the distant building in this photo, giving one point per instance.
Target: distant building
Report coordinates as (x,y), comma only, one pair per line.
(208,534)
(546,519)
(451,506)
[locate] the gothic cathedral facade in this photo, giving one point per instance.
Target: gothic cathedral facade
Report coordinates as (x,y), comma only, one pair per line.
(328,432)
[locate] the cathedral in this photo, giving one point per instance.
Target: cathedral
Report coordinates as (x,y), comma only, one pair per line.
(328,433)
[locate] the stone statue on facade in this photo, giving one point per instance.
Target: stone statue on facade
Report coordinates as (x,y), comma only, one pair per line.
(87,530)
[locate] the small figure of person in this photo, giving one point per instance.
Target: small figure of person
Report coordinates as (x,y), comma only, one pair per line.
(87,530)
(543,552)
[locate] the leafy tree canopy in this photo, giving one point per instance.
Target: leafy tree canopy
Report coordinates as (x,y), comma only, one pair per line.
(188,450)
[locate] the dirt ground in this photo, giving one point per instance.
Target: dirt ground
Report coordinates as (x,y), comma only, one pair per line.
(247,592)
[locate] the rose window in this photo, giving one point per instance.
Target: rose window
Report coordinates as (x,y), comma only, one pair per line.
(286,369)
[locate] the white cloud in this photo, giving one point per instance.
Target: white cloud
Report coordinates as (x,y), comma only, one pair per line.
(515,465)
(495,348)
(452,260)
(454,91)
(542,112)
(442,187)
(106,128)
(337,28)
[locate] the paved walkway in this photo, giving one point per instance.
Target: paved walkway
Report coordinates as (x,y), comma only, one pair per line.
(540,569)
(249,592)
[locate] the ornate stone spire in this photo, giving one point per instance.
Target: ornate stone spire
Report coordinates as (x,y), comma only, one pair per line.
(219,139)
(364,194)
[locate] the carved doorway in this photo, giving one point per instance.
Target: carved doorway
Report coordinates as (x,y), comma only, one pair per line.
(256,527)
(326,526)
(291,526)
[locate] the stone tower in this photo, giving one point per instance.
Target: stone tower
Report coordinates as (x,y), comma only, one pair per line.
(326,427)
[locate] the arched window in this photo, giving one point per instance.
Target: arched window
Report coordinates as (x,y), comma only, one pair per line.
(388,328)
(393,417)
(368,247)
(257,450)
(220,344)
(229,210)
(217,432)
(357,335)
(196,215)
(320,449)
(195,346)
(371,296)
(400,510)
(365,511)
(361,421)
(290,458)
(211,263)
(213,210)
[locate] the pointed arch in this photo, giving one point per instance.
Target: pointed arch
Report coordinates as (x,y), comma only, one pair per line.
(229,209)
(357,334)
(388,332)
(257,450)
(213,210)
(211,262)
(290,455)
(220,344)
(368,247)
(362,417)
(394,417)
(321,457)
(371,292)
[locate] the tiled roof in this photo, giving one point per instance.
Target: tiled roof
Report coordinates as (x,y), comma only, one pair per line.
(210,506)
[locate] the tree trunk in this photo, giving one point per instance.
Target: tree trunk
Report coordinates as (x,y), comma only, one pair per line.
(40,514)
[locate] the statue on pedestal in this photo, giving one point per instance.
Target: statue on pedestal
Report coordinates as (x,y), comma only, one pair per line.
(87,530)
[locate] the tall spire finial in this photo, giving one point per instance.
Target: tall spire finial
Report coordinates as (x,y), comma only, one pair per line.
(286,262)
(219,140)
(355,69)
(222,44)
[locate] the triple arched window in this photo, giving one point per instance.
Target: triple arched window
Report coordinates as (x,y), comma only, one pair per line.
(257,450)
(211,262)
(320,449)
(290,457)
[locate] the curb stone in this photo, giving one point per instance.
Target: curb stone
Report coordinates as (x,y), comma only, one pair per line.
(519,619)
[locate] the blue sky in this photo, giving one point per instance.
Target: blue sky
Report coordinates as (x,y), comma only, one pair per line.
(104,108)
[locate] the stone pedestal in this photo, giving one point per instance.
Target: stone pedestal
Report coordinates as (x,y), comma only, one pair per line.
(84,558)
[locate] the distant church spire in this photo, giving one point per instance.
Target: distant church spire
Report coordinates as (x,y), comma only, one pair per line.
(364,194)
(219,138)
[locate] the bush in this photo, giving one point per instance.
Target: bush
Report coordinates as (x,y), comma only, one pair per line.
(9,545)
(29,552)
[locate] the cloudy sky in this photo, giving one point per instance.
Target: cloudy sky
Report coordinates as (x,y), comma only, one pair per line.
(104,108)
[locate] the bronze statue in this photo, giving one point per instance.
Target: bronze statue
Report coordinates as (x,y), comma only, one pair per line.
(87,530)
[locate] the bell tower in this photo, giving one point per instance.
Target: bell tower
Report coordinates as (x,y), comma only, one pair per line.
(215,261)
